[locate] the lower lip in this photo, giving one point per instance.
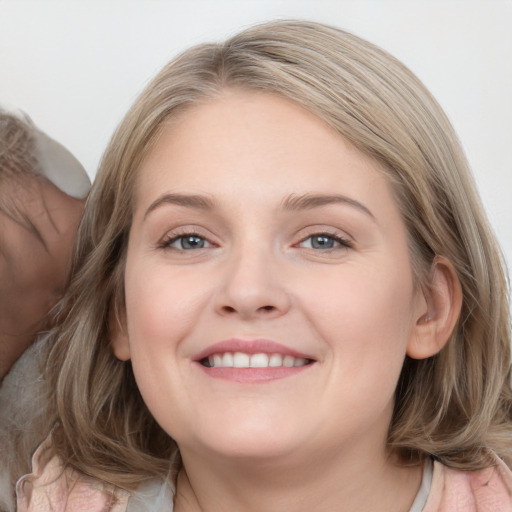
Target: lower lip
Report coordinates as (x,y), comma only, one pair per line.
(253,375)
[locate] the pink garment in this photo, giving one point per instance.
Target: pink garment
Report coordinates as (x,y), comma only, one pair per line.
(488,490)
(51,488)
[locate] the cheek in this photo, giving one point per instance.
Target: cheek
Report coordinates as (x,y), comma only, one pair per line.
(163,309)
(365,319)
(366,312)
(162,303)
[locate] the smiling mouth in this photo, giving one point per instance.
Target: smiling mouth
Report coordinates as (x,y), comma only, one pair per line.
(258,360)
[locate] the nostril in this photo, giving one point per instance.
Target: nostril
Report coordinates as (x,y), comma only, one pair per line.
(231,309)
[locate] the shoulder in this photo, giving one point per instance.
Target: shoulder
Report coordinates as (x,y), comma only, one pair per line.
(51,486)
(23,412)
(487,490)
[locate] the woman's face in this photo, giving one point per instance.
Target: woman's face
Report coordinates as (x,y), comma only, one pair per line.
(262,238)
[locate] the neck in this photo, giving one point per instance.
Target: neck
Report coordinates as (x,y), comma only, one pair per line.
(334,481)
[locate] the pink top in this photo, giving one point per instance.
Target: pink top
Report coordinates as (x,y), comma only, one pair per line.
(487,490)
(52,488)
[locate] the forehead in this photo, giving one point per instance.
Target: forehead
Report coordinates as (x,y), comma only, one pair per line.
(226,140)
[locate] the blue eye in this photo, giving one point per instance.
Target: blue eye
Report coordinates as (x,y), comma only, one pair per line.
(324,242)
(187,242)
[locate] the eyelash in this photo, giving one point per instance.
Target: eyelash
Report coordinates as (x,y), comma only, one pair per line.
(172,238)
(342,241)
(167,242)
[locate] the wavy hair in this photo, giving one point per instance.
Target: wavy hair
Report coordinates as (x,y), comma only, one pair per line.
(455,406)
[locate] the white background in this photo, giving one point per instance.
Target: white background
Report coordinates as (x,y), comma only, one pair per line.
(75,66)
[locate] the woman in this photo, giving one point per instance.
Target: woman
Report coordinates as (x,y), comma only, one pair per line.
(285,296)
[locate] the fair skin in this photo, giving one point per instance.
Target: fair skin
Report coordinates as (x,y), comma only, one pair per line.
(33,268)
(258,230)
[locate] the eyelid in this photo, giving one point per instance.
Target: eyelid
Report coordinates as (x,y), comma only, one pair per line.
(176,239)
(345,240)
(342,242)
(175,234)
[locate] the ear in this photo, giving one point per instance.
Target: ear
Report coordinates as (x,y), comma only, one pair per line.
(118,334)
(438,309)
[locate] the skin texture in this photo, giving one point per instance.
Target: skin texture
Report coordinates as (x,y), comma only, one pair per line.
(33,270)
(353,309)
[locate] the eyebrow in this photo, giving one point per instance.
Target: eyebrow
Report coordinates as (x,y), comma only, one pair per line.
(293,202)
(309,201)
(198,202)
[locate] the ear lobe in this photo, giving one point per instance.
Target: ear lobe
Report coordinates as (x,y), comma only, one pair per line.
(439,311)
(118,334)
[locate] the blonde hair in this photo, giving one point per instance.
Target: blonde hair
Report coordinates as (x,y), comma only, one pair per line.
(455,405)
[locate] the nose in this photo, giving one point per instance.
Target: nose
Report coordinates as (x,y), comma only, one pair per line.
(252,287)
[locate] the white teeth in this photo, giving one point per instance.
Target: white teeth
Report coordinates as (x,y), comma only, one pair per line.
(275,360)
(288,361)
(260,360)
(241,360)
(227,360)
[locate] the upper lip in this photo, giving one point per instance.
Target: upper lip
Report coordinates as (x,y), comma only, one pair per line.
(252,346)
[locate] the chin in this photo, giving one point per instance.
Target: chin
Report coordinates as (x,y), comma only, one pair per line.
(255,440)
